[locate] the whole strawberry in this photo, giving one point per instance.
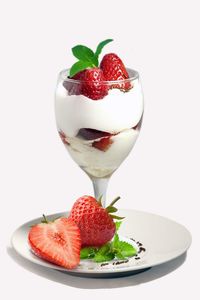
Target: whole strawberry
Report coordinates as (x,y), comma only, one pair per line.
(95,222)
(114,69)
(57,242)
(93,85)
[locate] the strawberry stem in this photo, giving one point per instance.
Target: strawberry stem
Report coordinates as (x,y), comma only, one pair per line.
(45,219)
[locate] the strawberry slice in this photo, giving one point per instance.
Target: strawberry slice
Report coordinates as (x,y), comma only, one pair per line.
(63,138)
(92,134)
(103,144)
(57,242)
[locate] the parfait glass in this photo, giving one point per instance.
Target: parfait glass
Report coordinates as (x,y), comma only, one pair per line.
(99,133)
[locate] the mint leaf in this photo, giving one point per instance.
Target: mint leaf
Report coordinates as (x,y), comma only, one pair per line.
(115,241)
(88,252)
(117,225)
(119,255)
(104,257)
(101,45)
(85,54)
(125,249)
(104,253)
(104,249)
(79,66)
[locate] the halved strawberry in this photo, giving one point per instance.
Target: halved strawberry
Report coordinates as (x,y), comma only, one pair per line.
(57,242)
(114,69)
(103,144)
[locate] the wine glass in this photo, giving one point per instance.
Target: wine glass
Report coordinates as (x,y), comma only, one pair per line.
(99,134)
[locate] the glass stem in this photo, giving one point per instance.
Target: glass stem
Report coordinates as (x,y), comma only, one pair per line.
(100,187)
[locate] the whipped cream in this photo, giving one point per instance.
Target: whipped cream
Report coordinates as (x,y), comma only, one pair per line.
(99,163)
(114,113)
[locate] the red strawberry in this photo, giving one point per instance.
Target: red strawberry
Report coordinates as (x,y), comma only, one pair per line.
(74,88)
(103,144)
(58,242)
(92,86)
(96,224)
(63,138)
(114,69)
(92,134)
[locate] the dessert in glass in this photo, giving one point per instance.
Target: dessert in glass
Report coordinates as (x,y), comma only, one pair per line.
(99,120)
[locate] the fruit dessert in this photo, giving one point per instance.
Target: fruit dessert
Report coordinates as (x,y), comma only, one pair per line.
(89,232)
(99,108)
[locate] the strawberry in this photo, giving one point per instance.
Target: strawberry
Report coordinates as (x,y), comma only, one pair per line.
(63,138)
(103,144)
(95,222)
(92,134)
(58,242)
(74,88)
(114,69)
(92,85)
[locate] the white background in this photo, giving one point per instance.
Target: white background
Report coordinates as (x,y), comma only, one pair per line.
(160,39)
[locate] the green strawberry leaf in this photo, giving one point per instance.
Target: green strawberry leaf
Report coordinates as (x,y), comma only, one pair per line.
(88,252)
(125,249)
(79,66)
(111,209)
(114,201)
(117,225)
(84,53)
(117,217)
(100,47)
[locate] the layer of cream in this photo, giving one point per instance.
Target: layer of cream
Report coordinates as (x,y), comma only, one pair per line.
(99,163)
(114,113)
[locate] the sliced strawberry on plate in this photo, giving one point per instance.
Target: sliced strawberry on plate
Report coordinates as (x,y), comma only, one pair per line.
(103,144)
(57,242)
(114,69)
(95,222)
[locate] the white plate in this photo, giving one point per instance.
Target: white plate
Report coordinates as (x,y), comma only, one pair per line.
(162,240)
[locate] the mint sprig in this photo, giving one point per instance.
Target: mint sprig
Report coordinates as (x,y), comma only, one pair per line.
(88,252)
(86,57)
(79,66)
(101,46)
(109,251)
